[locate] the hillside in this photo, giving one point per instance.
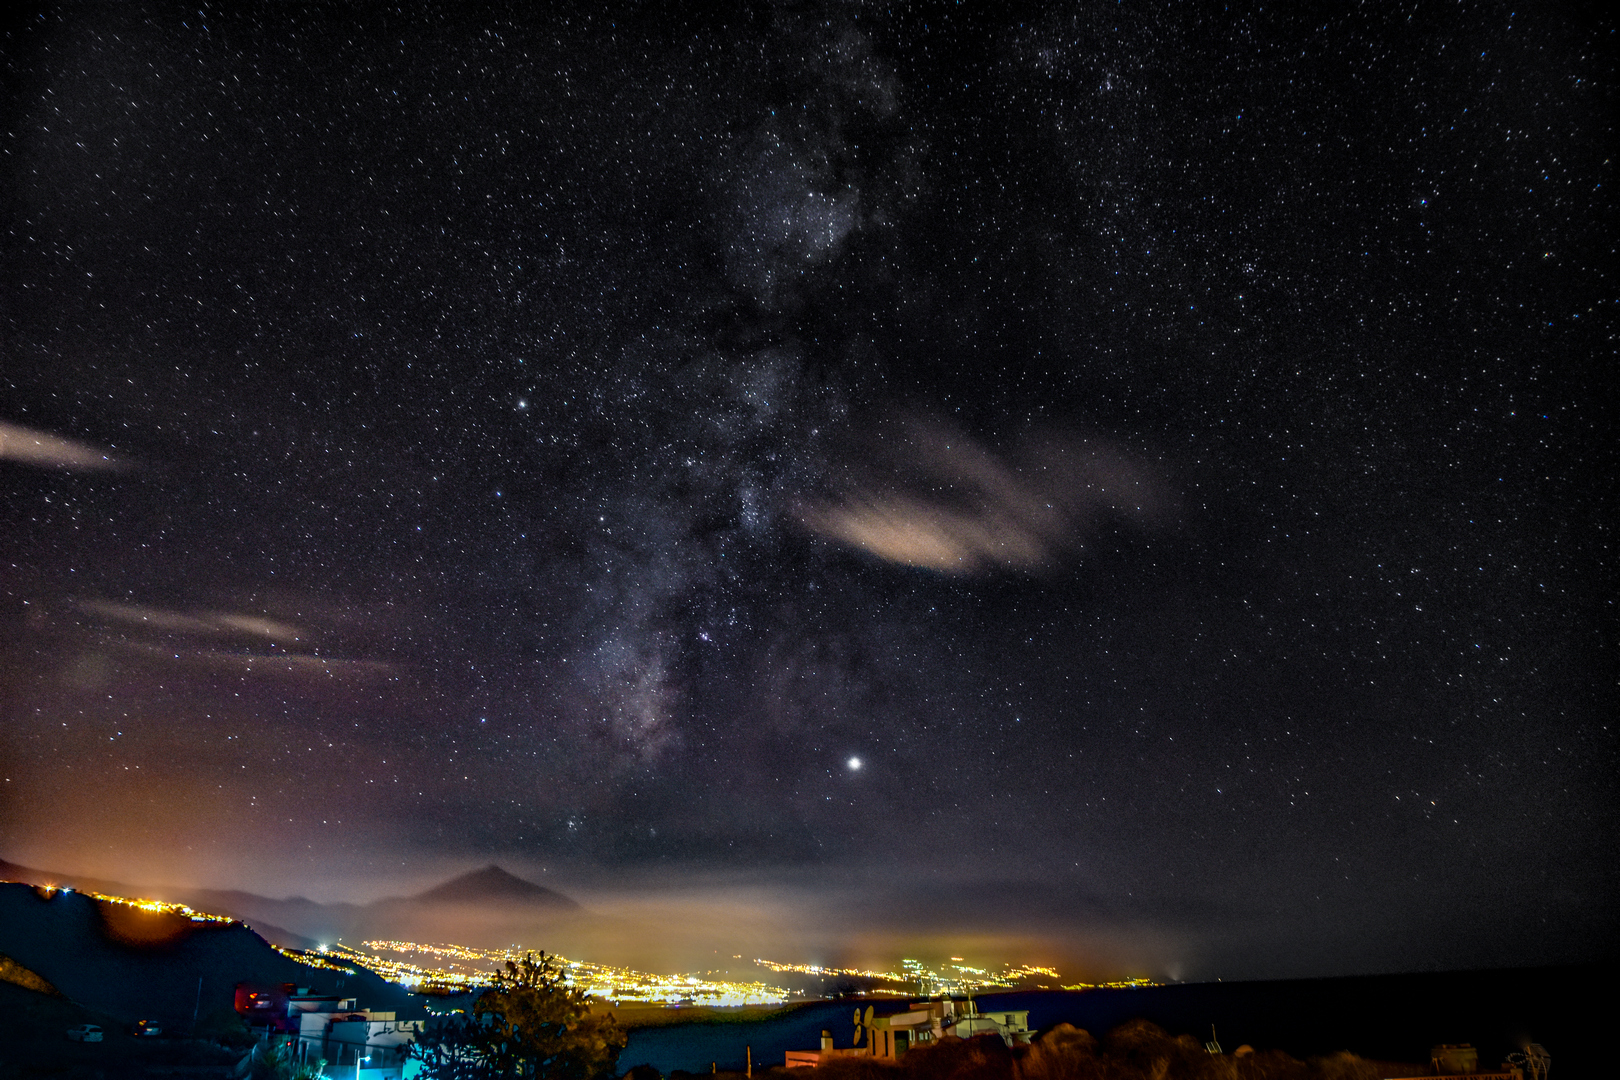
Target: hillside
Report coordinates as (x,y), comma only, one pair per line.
(490,899)
(132,964)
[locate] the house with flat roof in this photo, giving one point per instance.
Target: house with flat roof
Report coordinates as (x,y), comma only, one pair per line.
(922,1022)
(326,1027)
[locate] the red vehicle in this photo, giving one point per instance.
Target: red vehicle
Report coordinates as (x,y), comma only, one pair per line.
(264,1006)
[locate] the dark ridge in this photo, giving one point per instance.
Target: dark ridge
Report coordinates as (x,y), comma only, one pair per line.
(28,875)
(493,885)
(134,965)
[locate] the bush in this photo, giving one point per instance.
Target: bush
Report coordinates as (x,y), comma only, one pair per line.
(225,1027)
(1137,1050)
(1344,1066)
(1064,1053)
(529,1026)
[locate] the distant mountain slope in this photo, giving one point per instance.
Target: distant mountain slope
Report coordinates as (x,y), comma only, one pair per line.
(306,920)
(492,885)
(438,914)
(242,906)
(10,871)
(133,964)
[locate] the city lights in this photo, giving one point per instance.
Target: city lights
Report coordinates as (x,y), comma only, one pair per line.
(464,967)
(452,967)
(956,977)
(153,906)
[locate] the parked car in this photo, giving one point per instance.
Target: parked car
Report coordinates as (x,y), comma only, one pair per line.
(84,1033)
(147,1029)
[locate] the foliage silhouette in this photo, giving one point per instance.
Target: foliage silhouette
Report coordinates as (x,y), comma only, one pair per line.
(1137,1050)
(530,1025)
(272,1060)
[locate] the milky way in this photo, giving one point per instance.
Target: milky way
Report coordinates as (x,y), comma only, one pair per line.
(1168,449)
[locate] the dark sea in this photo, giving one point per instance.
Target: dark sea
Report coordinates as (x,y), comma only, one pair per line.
(1387,1017)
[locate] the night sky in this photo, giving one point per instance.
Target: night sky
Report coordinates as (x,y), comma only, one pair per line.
(1129,485)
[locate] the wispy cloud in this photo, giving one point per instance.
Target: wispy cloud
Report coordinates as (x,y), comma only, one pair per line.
(213,623)
(215,639)
(926,494)
(34,447)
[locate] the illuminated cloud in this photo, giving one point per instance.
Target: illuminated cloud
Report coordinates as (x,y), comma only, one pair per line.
(269,628)
(213,623)
(203,640)
(930,496)
(149,618)
(914,532)
(33,447)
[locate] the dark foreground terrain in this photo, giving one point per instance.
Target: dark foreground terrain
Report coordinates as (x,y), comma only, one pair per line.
(1386,1017)
(1138,1050)
(68,959)
(33,1044)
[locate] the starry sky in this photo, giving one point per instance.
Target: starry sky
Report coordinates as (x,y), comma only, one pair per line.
(1130,483)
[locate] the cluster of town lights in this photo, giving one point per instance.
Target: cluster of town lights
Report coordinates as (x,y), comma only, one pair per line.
(156,907)
(1117,984)
(956,977)
(314,959)
(460,967)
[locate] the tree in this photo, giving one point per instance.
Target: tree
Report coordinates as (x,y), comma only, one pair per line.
(531,1025)
(272,1060)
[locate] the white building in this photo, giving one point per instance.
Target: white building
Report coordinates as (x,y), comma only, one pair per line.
(369,1041)
(924,1022)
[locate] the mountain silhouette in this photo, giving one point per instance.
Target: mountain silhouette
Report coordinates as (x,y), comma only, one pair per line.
(134,964)
(440,913)
(493,885)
